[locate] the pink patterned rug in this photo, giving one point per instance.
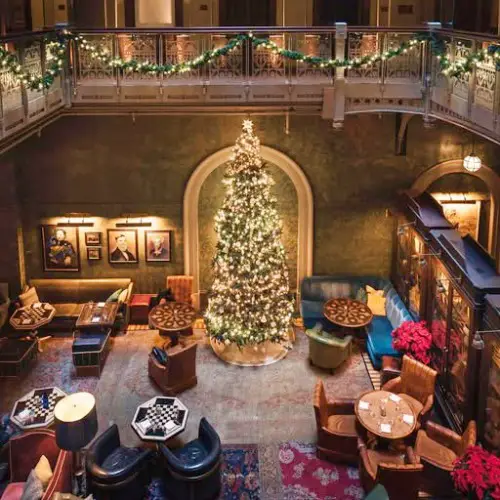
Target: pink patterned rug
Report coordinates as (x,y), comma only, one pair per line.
(305,477)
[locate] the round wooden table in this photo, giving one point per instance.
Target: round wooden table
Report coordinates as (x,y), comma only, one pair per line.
(30,318)
(172,318)
(381,411)
(348,313)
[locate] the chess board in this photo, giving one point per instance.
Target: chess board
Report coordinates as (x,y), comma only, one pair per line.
(165,417)
(32,317)
(42,417)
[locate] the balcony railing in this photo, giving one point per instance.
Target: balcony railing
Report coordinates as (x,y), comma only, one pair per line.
(249,75)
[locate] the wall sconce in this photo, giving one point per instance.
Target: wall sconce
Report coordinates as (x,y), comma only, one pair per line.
(134,220)
(422,261)
(76,219)
(478,341)
(402,228)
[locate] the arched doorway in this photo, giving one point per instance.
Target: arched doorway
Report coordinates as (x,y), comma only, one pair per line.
(191,210)
(484,181)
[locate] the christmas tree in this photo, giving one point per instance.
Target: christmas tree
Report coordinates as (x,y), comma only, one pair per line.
(249,301)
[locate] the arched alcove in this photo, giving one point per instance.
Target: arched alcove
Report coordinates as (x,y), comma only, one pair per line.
(487,175)
(191,210)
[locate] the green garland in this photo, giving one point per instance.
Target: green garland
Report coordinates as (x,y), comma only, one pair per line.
(57,55)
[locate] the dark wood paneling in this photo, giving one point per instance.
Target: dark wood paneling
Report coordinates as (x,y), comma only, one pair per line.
(247,12)
(129,13)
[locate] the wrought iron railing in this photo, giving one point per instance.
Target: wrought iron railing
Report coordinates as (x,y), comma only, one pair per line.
(412,81)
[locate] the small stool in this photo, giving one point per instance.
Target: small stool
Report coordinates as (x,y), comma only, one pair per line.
(139,308)
(90,350)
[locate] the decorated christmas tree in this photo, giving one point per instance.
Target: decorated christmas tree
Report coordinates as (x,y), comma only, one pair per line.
(249,302)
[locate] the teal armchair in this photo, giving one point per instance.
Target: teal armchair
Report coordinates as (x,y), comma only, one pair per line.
(326,350)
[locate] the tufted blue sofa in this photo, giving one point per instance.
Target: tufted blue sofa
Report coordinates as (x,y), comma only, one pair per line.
(316,290)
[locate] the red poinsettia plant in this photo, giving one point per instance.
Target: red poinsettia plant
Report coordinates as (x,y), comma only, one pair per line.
(414,339)
(477,473)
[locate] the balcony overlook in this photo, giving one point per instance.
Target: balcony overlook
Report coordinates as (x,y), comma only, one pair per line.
(332,71)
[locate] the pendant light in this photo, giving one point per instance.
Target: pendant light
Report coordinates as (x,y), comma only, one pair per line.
(472,162)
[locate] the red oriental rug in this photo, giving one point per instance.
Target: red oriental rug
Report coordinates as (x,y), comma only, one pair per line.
(304,476)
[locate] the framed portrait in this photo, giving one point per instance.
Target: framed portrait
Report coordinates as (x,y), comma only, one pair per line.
(60,248)
(93,238)
(94,253)
(123,246)
(158,246)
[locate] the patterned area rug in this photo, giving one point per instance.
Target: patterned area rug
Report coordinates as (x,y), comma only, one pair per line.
(240,476)
(305,477)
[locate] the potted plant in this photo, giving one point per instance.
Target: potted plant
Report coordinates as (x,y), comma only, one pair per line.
(413,339)
(477,474)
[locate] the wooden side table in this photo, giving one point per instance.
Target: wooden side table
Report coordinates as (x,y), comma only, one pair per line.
(172,319)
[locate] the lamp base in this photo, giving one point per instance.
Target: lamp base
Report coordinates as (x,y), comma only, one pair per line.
(79,477)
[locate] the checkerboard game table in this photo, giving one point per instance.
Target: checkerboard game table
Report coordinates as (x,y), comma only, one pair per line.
(32,412)
(160,418)
(30,318)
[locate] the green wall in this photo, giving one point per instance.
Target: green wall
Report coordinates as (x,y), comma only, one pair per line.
(110,165)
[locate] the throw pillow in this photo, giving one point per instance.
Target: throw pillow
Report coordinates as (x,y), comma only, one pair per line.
(115,295)
(361,295)
(33,488)
(376,301)
(43,470)
(123,296)
(29,297)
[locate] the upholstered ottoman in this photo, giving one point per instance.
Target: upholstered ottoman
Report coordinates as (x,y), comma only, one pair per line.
(90,350)
(139,308)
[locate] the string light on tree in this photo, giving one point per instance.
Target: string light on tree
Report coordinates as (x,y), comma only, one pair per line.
(249,300)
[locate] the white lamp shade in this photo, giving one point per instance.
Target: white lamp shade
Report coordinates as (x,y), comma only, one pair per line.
(76,421)
(472,163)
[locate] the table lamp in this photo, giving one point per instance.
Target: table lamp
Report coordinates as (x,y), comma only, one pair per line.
(76,425)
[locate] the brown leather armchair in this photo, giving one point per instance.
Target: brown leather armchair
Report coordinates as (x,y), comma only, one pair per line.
(438,447)
(415,385)
(182,288)
(336,424)
(179,373)
(24,452)
(400,474)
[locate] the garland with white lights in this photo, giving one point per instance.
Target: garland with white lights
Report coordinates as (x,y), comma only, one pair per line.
(57,53)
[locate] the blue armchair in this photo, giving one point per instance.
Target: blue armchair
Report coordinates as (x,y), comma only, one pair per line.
(379,342)
(193,471)
(317,290)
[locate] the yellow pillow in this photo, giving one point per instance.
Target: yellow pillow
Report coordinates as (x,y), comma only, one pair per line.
(29,297)
(44,471)
(123,296)
(376,301)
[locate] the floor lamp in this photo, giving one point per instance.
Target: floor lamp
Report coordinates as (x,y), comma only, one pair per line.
(76,425)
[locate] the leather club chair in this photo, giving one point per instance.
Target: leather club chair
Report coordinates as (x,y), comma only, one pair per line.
(336,425)
(182,288)
(24,452)
(401,475)
(115,472)
(193,471)
(179,373)
(326,350)
(415,385)
(438,447)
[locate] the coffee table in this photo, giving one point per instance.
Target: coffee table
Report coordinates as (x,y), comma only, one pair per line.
(30,318)
(172,318)
(41,417)
(160,418)
(97,315)
(385,408)
(16,355)
(347,313)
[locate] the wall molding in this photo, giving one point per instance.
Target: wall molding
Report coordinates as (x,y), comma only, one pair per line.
(486,174)
(305,199)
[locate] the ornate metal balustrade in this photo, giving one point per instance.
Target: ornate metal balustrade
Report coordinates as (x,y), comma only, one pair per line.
(257,76)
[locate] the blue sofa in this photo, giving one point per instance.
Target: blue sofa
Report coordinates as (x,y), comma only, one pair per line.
(316,290)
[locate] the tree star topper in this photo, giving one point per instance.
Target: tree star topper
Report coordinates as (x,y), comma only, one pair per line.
(248,125)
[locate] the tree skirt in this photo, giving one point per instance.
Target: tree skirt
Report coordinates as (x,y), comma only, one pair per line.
(305,476)
(262,354)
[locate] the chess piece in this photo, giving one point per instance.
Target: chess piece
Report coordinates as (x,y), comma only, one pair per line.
(45,401)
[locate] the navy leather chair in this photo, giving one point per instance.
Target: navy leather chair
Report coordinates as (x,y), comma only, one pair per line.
(193,471)
(114,471)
